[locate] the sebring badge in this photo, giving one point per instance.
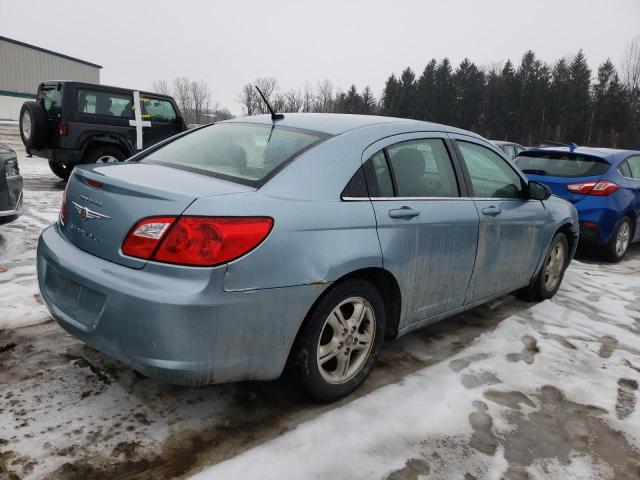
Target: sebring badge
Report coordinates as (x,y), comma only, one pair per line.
(86,214)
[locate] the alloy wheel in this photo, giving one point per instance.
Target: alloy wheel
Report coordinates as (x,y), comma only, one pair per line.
(554,266)
(622,239)
(106,159)
(346,340)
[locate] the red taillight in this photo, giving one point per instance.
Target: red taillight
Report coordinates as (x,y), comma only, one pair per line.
(196,241)
(599,189)
(63,207)
(63,128)
(590,225)
(145,236)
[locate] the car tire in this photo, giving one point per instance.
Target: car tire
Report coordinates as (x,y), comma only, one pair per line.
(550,276)
(61,170)
(332,363)
(617,247)
(107,154)
(33,125)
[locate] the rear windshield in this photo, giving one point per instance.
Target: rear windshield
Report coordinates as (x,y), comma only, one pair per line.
(561,164)
(245,153)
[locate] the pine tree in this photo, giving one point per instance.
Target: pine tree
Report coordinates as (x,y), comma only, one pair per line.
(407,94)
(468,85)
(390,96)
(426,92)
(444,92)
(578,107)
(609,105)
(368,101)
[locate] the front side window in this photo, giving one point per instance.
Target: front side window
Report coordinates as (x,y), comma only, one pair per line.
(108,104)
(157,110)
(237,151)
(491,176)
(509,150)
(422,168)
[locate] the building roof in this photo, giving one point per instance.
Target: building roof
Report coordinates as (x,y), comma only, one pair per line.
(337,123)
(50,52)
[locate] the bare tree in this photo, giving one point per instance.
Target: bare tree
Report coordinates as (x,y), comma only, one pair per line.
(630,67)
(161,86)
(200,98)
(293,100)
(247,98)
(324,96)
(268,86)
(308,99)
(182,94)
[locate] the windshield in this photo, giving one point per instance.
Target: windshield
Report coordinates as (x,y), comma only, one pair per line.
(241,152)
(561,164)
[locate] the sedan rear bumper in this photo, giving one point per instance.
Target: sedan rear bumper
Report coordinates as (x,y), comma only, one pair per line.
(171,323)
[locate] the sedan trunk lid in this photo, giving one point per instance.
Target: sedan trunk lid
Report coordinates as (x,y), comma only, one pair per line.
(105,201)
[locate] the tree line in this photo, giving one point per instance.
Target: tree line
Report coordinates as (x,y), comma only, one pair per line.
(526,102)
(193,99)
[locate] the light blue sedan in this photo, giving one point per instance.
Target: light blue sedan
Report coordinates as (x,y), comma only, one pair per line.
(231,250)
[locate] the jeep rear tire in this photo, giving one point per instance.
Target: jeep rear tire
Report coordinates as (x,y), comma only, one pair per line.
(61,170)
(105,154)
(33,125)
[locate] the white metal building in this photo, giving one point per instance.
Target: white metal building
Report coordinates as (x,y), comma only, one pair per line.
(23,67)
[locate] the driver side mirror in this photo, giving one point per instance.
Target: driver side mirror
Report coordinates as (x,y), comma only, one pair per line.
(538,191)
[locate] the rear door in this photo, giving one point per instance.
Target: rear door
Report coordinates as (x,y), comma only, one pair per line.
(630,170)
(427,230)
(510,224)
(163,118)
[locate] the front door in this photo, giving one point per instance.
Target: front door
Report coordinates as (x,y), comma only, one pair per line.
(510,224)
(163,118)
(427,231)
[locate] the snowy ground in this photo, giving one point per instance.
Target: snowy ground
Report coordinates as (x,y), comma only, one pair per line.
(509,390)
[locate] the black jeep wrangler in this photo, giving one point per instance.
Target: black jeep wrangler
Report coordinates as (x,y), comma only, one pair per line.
(74,122)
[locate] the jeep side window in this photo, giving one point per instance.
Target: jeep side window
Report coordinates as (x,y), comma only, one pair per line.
(109,104)
(157,110)
(50,101)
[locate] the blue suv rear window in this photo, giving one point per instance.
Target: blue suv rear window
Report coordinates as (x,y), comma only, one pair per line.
(561,164)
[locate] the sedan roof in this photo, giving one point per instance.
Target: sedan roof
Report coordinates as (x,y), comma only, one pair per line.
(337,123)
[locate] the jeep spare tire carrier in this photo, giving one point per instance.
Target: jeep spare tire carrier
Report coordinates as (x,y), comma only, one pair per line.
(33,124)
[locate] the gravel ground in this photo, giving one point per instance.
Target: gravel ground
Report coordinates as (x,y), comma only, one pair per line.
(69,412)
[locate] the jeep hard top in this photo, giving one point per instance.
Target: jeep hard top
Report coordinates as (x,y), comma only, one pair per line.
(75,122)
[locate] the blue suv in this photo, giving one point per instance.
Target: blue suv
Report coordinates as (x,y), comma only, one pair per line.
(602,183)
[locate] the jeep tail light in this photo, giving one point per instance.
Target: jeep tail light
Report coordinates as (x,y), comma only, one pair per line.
(63,206)
(63,128)
(599,189)
(196,241)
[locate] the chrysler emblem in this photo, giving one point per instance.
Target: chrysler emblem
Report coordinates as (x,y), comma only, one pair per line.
(87,214)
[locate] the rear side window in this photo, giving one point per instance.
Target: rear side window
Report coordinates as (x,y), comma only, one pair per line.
(107,104)
(561,164)
(491,176)
(242,152)
(422,168)
(157,110)
(51,101)
(633,167)
(382,175)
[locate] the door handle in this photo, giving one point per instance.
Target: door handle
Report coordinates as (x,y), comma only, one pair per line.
(404,212)
(492,211)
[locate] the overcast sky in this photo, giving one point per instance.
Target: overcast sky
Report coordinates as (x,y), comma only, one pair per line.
(362,42)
